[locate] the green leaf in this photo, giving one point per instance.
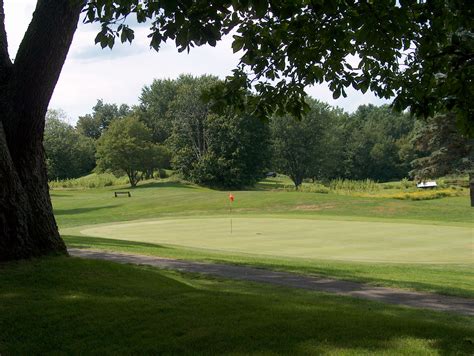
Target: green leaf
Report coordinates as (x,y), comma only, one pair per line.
(98,38)
(260,7)
(123,36)
(238,43)
(110,41)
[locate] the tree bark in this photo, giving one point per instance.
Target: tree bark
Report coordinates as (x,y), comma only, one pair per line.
(4,57)
(27,224)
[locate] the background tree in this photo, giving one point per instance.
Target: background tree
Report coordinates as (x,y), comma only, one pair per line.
(442,150)
(188,114)
(374,139)
(237,152)
(331,141)
(126,147)
(157,161)
(92,125)
(216,150)
(297,145)
(155,103)
(68,153)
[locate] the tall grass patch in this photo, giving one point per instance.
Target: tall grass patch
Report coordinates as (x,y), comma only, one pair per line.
(90,181)
(402,190)
(349,185)
(426,194)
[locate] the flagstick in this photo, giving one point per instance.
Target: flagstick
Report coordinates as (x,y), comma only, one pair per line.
(231,200)
(230,209)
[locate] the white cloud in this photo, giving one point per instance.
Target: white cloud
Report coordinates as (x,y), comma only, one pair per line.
(17,17)
(118,75)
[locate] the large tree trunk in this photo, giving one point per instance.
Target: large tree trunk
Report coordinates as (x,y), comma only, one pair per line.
(27,224)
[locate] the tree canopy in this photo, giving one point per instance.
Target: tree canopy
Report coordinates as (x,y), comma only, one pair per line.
(442,150)
(420,52)
(126,147)
(155,101)
(68,153)
(221,150)
(298,147)
(376,139)
(93,125)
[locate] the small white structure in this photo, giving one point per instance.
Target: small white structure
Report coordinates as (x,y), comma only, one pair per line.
(430,184)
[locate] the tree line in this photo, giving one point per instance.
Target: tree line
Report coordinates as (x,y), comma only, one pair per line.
(172,127)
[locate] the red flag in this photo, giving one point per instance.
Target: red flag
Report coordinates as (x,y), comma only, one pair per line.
(231,197)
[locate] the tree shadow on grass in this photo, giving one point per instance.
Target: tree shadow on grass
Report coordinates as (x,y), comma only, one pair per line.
(101,243)
(59,194)
(215,256)
(82,210)
(348,273)
(73,306)
(181,185)
(269,185)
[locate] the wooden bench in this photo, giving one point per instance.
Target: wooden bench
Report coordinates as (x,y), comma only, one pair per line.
(123,193)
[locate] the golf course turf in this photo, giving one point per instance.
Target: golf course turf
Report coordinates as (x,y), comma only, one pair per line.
(72,306)
(435,254)
(302,238)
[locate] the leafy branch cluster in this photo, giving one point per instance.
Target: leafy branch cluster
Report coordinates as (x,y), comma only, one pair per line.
(420,52)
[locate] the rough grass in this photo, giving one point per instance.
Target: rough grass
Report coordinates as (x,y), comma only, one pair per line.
(426,194)
(90,181)
(69,306)
(97,180)
(403,190)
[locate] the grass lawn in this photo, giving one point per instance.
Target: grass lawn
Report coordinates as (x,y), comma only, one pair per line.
(71,306)
(381,241)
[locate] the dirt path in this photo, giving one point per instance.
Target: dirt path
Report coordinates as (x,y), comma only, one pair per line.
(387,295)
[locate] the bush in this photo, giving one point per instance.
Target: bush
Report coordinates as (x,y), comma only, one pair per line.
(458,181)
(69,154)
(348,185)
(405,183)
(162,173)
(313,188)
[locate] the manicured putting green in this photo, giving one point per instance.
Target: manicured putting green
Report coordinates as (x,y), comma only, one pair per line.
(304,238)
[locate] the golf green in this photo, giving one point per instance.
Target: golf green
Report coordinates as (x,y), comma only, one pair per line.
(303,238)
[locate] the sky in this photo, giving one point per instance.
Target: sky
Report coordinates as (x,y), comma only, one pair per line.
(118,75)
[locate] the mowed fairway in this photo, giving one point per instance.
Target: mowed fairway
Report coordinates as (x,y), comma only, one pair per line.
(303,238)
